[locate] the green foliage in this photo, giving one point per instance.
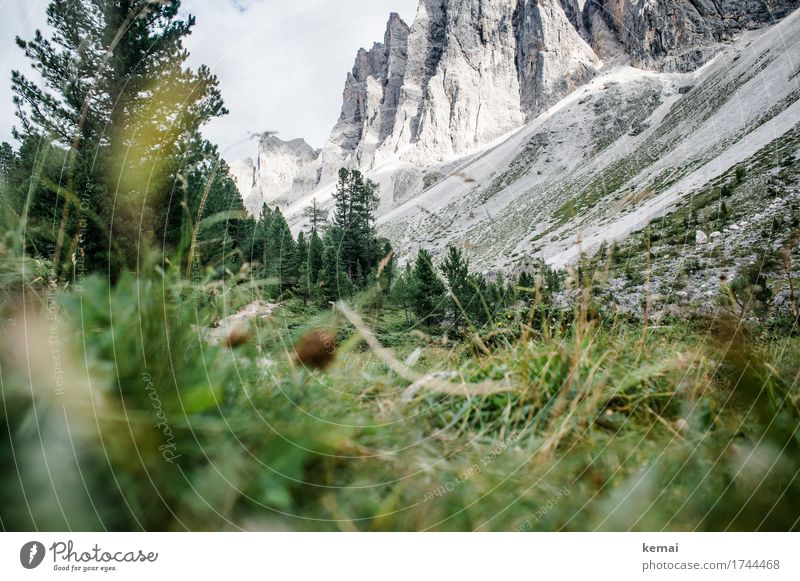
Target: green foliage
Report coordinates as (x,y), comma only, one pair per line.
(334,282)
(141,436)
(428,295)
(750,291)
(123,114)
(145,426)
(356,200)
(317,217)
(402,292)
(456,271)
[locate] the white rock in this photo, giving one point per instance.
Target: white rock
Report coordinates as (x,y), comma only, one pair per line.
(465,73)
(284,169)
(715,234)
(700,237)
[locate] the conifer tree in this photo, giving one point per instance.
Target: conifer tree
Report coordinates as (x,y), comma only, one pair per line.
(317,217)
(304,283)
(429,292)
(387,258)
(283,254)
(260,252)
(315,252)
(7,158)
(333,282)
(115,94)
(355,202)
(402,292)
(456,271)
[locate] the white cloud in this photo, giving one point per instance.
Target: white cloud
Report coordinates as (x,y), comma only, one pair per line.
(281,63)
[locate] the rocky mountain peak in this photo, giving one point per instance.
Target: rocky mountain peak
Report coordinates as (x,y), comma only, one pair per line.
(467,72)
(281,170)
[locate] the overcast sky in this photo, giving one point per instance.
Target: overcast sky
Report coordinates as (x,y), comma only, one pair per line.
(281,63)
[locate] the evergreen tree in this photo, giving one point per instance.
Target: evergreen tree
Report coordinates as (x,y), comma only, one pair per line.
(510,296)
(116,96)
(402,292)
(7,158)
(387,258)
(211,213)
(317,217)
(429,292)
(304,283)
(315,252)
(525,281)
(333,282)
(356,200)
(283,253)
(456,271)
(480,307)
(30,204)
(260,251)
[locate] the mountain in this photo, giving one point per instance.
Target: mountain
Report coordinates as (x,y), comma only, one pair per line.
(677,35)
(525,128)
(282,170)
(609,158)
(465,73)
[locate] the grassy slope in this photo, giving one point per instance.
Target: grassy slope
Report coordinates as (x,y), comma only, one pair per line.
(609,425)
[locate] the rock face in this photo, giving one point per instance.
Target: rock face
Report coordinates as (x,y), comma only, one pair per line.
(467,72)
(460,88)
(679,35)
(282,171)
(370,100)
(552,59)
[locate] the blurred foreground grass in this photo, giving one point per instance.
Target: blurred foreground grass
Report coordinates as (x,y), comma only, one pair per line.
(119,415)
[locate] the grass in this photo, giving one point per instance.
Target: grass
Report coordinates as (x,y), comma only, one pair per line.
(608,425)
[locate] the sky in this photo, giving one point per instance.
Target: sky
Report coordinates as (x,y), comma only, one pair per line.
(281,63)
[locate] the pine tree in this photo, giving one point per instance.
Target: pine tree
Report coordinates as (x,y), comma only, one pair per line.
(480,311)
(7,158)
(317,217)
(304,283)
(387,258)
(30,204)
(283,252)
(116,96)
(456,270)
(260,251)
(525,280)
(402,292)
(315,252)
(333,282)
(211,213)
(429,292)
(511,295)
(356,201)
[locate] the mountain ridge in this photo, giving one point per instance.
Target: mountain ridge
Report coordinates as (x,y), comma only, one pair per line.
(409,133)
